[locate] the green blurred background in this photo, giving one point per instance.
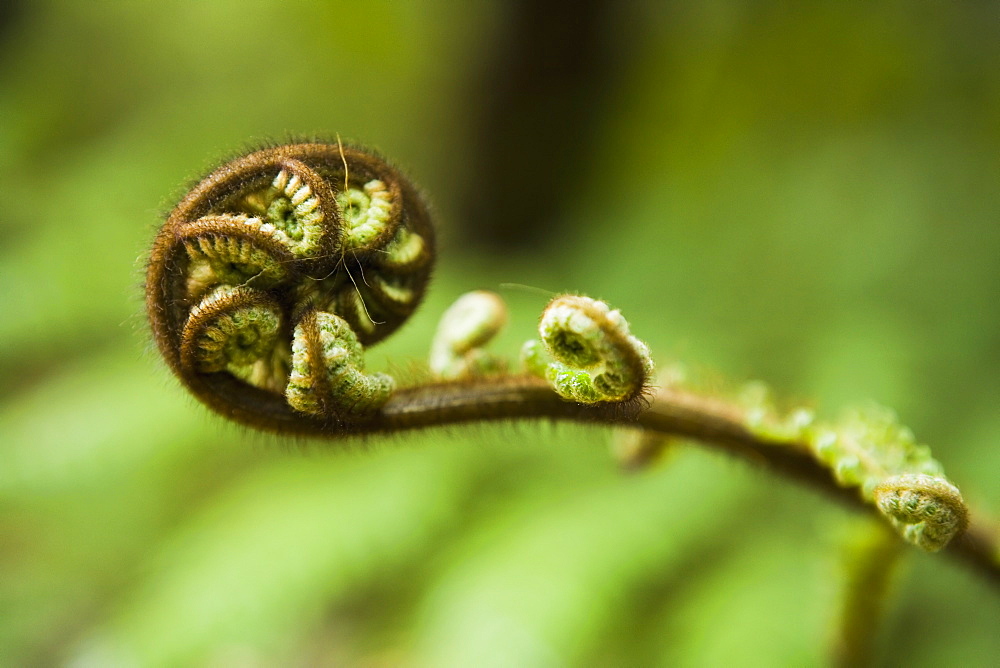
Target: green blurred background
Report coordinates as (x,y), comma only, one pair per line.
(809,196)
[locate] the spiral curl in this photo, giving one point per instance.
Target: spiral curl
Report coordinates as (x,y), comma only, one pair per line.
(271,276)
(328,370)
(273,273)
(927,510)
(869,450)
(594,356)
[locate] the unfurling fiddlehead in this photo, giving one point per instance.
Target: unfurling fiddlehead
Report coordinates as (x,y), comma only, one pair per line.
(468,324)
(870,451)
(271,277)
(927,510)
(595,358)
(272,273)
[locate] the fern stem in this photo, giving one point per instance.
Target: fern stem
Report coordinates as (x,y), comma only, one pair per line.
(671,412)
(871,556)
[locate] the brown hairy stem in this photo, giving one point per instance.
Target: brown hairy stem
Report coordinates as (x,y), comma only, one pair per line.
(248,259)
(670,412)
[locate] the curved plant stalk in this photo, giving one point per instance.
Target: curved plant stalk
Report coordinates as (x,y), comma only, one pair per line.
(272,275)
(870,559)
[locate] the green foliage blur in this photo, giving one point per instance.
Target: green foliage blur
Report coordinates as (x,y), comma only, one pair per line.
(808,196)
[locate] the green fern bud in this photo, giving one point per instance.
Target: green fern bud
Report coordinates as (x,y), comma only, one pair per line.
(927,510)
(328,377)
(468,325)
(870,450)
(595,357)
(236,330)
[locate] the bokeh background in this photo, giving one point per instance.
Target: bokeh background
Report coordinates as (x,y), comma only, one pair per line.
(806,195)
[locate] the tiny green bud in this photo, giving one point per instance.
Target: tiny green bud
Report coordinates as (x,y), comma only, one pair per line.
(366,212)
(328,377)
(595,356)
(825,446)
(235,330)
(533,358)
(468,324)
(292,212)
(848,470)
(927,510)
(871,451)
